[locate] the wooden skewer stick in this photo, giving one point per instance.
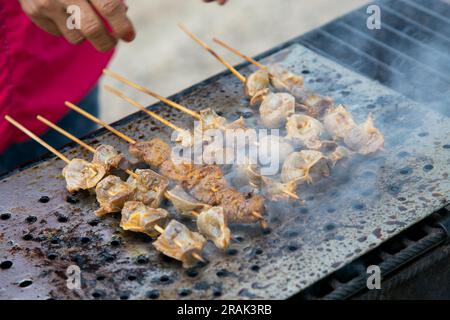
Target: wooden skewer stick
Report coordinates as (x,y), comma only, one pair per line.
(195,213)
(248,59)
(194,254)
(240,54)
(263,221)
(151,93)
(99,122)
(108,127)
(291,194)
(75,139)
(65,133)
(211,51)
(37,139)
(142,108)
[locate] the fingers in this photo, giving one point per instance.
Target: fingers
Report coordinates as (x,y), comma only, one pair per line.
(115,12)
(46,25)
(221,2)
(93,28)
(45,14)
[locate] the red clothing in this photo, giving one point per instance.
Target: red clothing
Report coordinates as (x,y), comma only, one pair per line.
(39,72)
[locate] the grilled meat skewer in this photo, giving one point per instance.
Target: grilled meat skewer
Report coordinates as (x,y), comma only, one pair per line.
(178,242)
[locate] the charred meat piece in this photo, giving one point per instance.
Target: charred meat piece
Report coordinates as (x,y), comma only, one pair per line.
(365,138)
(112,193)
(153,152)
(212,224)
(208,189)
(150,187)
(82,175)
(302,166)
(283,79)
(183,202)
(304,130)
(138,217)
(109,157)
(175,171)
(199,173)
(257,81)
(238,208)
(178,242)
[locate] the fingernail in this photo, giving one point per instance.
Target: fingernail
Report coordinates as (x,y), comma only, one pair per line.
(130,36)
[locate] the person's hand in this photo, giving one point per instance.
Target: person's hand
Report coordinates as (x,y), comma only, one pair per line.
(51,15)
(221,2)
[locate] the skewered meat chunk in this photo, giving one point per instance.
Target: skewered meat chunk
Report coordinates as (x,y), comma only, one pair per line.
(82,175)
(317,105)
(212,224)
(175,171)
(339,154)
(109,157)
(248,174)
(365,138)
(211,120)
(193,176)
(216,154)
(208,189)
(237,124)
(339,122)
(184,138)
(257,81)
(150,187)
(112,193)
(199,172)
(301,166)
(274,190)
(138,217)
(283,79)
(275,108)
(153,152)
(238,208)
(272,143)
(183,202)
(305,130)
(178,242)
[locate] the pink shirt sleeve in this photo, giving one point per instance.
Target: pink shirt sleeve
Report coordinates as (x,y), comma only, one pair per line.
(39,72)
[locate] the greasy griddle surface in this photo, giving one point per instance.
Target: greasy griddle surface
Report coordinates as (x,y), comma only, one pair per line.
(364,202)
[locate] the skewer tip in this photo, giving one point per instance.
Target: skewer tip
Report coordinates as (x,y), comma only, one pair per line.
(198,257)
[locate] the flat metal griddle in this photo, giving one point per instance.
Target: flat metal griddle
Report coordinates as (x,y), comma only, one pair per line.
(366,201)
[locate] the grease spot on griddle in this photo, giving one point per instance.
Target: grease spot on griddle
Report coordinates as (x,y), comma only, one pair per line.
(152,294)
